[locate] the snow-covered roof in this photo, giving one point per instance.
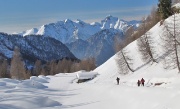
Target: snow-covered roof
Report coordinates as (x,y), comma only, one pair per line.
(86,75)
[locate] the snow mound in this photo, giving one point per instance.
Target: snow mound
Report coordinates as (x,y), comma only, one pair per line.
(10,80)
(43,77)
(33,102)
(31,84)
(43,102)
(41,80)
(2,84)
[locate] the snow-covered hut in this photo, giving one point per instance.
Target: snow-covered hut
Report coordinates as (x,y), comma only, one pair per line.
(83,76)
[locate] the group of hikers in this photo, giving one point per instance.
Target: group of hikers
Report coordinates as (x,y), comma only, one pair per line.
(140,82)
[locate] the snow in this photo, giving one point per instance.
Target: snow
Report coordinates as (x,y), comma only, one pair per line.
(177,5)
(161,90)
(39,79)
(31,84)
(86,75)
(2,83)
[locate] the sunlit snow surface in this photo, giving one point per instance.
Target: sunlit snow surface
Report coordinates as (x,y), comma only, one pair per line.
(62,92)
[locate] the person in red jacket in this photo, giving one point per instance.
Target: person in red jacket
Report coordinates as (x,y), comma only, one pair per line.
(142,81)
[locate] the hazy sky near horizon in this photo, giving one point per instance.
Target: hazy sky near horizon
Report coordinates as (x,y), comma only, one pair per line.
(20,15)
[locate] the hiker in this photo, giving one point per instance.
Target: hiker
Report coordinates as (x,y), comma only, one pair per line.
(117,80)
(142,81)
(139,83)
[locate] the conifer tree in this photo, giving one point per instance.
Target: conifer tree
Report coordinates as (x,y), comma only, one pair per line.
(164,8)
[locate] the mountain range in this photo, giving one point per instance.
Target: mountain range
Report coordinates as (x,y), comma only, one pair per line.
(86,40)
(68,31)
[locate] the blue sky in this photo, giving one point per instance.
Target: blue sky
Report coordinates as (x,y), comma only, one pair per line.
(19,15)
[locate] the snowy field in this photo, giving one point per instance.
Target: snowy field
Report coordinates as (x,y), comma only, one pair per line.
(161,90)
(62,92)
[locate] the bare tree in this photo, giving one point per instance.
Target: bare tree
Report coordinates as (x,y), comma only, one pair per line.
(58,67)
(52,67)
(37,68)
(63,66)
(91,64)
(75,67)
(123,60)
(171,39)
(28,74)
(146,47)
(155,16)
(4,69)
(17,69)
(145,44)
(44,71)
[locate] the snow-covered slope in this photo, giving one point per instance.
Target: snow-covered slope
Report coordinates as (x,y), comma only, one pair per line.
(147,70)
(68,31)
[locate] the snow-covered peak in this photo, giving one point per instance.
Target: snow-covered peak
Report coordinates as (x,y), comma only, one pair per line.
(68,31)
(109,22)
(80,21)
(110,18)
(95,24)
(41,30)
(31,31)
(67,21)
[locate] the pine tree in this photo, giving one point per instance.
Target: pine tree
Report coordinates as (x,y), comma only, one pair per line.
(164,8)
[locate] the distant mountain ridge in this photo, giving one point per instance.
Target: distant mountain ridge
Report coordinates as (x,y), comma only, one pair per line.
(68,31)
(34,47)
(86,40)
(100,46)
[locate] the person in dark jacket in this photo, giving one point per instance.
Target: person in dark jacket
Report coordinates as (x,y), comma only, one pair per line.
(139,83)
(142,81)
(117,80)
